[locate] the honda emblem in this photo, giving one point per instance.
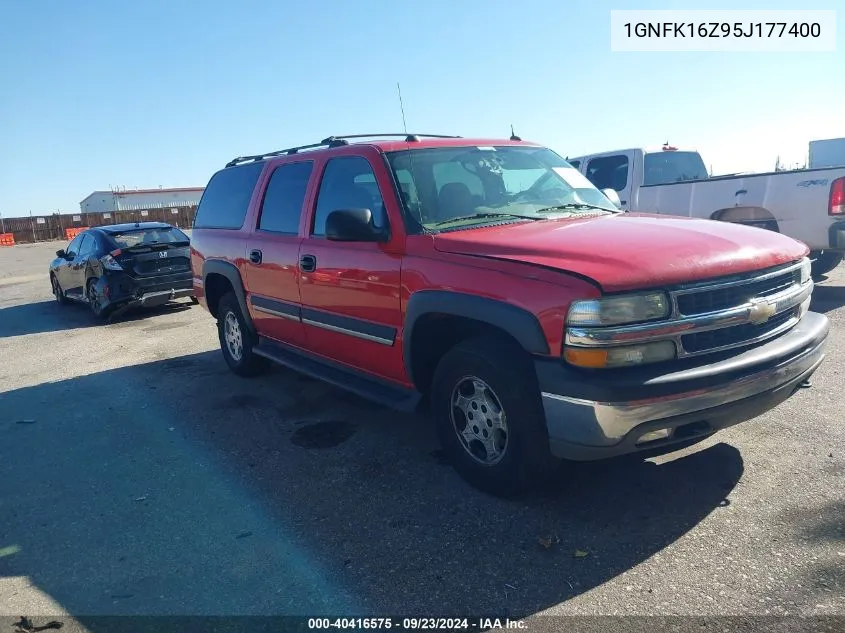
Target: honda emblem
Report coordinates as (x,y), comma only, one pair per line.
(162,254)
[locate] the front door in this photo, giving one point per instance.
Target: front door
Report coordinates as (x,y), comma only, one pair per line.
(350,290)
(64,272)
(272,254)
(78,268)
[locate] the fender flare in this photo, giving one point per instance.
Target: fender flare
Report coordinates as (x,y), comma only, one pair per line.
(518,322)
(231,273)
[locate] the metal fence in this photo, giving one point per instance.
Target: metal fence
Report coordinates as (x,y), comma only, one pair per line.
(43,228)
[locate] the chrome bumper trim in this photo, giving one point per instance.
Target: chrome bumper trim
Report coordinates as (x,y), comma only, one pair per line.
(603,424)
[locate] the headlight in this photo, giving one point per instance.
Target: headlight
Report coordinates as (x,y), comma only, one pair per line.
(806,270)
(619,310)
(622,356)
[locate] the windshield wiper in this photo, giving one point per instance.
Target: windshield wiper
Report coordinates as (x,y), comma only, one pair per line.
(573,205)
(481,216)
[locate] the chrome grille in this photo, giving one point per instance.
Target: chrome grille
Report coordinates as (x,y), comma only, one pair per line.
(716,315)
(738,334)
(706,301)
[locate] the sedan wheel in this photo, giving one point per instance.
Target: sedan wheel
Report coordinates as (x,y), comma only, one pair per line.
(58,293)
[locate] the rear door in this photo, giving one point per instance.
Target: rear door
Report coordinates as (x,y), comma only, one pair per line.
(271,266)
(611,171)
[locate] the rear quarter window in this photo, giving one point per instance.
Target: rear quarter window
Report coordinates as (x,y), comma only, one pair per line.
(226,198)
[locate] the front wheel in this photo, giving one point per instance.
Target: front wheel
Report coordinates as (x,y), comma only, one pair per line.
(58,293)
(490,418)
(236,341)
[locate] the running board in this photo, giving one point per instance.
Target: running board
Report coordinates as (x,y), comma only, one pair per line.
(374,389)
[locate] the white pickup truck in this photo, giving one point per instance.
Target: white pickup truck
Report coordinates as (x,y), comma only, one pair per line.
(808,205)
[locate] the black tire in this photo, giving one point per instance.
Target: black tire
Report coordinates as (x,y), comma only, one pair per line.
(525,460)
(58,293)
(825,262)
(195,301)
(246,363)
(94,301)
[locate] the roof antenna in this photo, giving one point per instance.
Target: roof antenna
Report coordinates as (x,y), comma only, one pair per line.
(401,107)
(514,137)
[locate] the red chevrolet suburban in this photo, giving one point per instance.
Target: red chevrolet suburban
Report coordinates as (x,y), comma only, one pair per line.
(491,281)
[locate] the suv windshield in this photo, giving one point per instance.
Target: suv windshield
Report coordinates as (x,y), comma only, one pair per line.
(148,237)
(662,168)
(451,187)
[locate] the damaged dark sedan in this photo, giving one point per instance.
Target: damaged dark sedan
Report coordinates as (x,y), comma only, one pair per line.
(121,266)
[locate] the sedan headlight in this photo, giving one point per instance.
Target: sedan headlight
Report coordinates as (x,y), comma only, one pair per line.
(621,356)
(806,270)
(619,310)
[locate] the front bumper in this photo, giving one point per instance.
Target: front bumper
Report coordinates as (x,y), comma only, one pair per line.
(598,415)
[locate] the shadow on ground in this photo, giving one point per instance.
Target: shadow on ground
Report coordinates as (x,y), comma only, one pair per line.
(195,492)
(827,298)
(49,316)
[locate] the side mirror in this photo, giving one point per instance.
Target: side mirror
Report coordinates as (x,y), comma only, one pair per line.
(61,253)
(352,225)
(611,195)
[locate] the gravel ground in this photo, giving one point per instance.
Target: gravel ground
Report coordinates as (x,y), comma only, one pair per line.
(139,476)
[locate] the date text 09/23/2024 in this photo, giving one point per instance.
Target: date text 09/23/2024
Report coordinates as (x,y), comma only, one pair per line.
(415,624)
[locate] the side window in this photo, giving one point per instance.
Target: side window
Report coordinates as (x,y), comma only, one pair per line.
(348,183)
(73,248)
(575,163)
(226,197)
(608,172)
(282,205)
(87,245)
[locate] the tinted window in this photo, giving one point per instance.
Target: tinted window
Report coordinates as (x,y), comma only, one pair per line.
(345,186)
(87,245)
(73,247)
(665,167)
(575,163)
(282,206)
(158,235)
(226,198)
(608,172)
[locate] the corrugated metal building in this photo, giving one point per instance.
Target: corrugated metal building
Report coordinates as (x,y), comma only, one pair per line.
(132,199)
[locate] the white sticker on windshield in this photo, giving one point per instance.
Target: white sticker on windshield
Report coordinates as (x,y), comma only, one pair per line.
(486,149)
(573,178)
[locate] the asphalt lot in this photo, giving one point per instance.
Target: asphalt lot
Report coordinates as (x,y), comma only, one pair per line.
(139,476)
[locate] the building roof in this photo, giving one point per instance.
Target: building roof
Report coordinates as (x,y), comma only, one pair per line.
(141,191)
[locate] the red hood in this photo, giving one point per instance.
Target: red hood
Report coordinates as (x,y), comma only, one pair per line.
(630,251)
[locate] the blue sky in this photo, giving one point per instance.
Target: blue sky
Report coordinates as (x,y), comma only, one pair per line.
(97,93)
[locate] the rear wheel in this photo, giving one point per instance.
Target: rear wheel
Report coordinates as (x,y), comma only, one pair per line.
(490,418)
(58,293)
(95,300)
(825,262)
(236,341)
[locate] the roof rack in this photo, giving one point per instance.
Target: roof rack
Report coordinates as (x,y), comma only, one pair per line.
(331,141)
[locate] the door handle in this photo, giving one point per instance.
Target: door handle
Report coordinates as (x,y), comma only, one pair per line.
(308,263)
(255,256)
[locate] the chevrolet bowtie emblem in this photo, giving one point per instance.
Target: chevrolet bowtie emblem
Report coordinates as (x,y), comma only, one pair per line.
(760,311)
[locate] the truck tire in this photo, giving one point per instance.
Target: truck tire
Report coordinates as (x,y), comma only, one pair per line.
(825,262)
(489,417)
(236,342)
